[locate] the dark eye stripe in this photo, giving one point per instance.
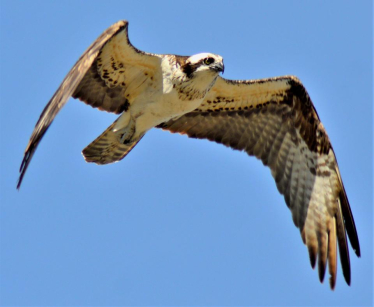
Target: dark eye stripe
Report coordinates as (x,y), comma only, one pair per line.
(208,61)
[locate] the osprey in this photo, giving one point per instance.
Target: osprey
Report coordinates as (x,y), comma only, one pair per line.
(272,119)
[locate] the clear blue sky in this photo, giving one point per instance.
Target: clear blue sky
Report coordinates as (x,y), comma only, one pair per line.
(178,221)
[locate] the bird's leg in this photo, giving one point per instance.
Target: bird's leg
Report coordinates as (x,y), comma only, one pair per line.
(125,134)
(125,128)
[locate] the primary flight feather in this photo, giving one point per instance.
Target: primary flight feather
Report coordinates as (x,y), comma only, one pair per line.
(273,119)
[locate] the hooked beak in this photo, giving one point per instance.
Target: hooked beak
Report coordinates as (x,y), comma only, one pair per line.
(219,67)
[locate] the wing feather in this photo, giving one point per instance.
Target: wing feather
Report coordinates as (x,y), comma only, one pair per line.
(108,76)
(275,120)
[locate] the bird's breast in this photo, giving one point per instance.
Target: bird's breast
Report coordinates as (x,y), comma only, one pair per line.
(153,111)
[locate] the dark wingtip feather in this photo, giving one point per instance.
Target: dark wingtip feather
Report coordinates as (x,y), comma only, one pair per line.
(321,269)
(349,222)
(22,171)
(332,282)
(25,162)
(312,257)
(322,257)
(343,248)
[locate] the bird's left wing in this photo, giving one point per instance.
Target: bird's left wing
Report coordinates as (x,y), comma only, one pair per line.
(275,120)
(108,76)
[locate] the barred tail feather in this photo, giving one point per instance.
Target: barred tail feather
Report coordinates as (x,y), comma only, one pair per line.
(107,148)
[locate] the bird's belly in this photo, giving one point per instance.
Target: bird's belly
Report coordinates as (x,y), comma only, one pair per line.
(149,114)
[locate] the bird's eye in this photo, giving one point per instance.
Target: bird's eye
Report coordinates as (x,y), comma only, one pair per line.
(208,61)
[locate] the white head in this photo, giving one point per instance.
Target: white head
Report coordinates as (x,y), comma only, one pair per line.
(203,62)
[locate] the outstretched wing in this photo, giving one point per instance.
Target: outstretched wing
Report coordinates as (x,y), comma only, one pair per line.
(109,75)
(275,120)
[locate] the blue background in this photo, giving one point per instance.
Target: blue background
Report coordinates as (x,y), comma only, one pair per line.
(179,221)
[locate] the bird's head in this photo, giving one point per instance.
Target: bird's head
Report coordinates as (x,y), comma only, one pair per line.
(202,63)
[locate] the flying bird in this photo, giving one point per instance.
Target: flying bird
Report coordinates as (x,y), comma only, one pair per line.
(272,119)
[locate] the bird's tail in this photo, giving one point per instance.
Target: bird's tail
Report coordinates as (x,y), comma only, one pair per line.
(109,147)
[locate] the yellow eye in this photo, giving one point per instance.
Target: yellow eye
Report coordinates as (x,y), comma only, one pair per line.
(208,61)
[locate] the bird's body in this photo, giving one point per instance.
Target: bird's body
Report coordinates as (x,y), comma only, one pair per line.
(153,107)
(273,119)
(158,95)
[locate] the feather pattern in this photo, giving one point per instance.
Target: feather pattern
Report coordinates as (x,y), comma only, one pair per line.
(97,79)
(108,147)
(272,119)
(275,120)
